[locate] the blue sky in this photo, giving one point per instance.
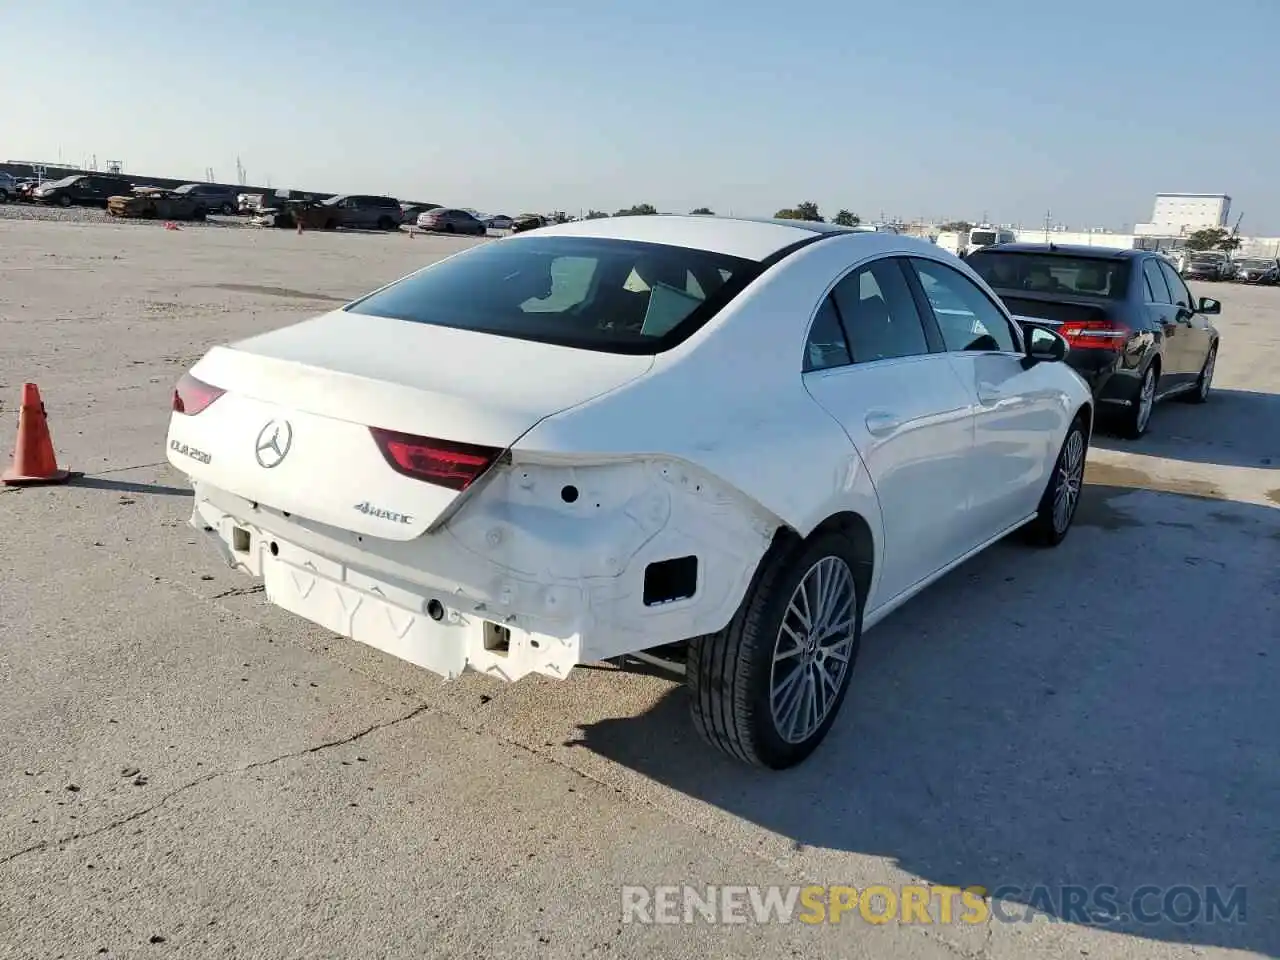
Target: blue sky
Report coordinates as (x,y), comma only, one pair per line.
(917,108)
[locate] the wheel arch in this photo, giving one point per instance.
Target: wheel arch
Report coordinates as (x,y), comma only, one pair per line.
(848,523)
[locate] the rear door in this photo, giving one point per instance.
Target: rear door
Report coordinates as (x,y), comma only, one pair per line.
(1192,326)
(870,364)
(1163,314)
(1017,410)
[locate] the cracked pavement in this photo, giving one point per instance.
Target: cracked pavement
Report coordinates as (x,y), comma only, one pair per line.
(186,770)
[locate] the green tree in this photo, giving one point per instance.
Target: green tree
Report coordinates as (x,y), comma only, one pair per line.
(801,211)
(846,219)
(702,212)
(957,226)
(595,215)
(639,210)
(1210,238)
(1229,243)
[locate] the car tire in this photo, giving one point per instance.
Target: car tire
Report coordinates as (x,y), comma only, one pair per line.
(199,214)
(4,196)
(1061,497)
(1204,382)
(386,223)
(1137,418)
(448,228)
(64,201)
(331,224)
(732,675)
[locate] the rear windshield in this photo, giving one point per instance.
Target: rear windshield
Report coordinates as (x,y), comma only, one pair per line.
(617,296)
(1257,264)
(1052,273)
(982,237)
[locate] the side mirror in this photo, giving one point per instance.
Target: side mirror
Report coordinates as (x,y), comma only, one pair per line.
(1209,306)
(1044,346)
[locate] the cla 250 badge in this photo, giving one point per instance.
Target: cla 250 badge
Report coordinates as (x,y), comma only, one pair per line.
(182,449)
(370,510)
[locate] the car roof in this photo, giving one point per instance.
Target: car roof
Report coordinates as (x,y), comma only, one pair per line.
(746,237)
(1068,250)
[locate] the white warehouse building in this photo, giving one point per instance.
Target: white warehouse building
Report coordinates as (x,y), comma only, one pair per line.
(1178,214)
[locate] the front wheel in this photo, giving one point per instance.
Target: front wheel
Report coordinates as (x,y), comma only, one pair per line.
(766,689)
(1205,381)
(64,201)
(1061,495)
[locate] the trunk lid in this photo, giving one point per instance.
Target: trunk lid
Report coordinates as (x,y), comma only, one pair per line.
(1054,310)
(318,387)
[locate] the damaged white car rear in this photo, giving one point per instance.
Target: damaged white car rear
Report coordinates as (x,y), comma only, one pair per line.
(741,441)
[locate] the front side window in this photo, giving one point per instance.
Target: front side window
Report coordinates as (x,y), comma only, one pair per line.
(879,313)
(1177,289)
(967,318)
(594,293)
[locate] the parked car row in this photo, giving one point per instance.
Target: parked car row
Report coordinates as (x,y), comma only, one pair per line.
(1217,265)
(907,409)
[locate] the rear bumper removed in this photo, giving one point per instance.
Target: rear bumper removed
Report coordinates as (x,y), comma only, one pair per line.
(505,600)
(381,613)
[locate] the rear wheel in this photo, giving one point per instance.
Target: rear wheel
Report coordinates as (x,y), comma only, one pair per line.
(1062,494)
(1201,393)
(228,209)
(766,689)
(1137,417)
(386,223)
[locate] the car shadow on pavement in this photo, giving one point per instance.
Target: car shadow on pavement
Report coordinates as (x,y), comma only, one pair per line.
(1102,714)
(1235,428)
(128,486)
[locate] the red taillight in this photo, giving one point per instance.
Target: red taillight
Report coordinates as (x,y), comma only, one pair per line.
(442,462)
(190,395)
(1095,334)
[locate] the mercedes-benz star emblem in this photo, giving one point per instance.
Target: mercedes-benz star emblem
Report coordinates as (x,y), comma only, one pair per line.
(274,442)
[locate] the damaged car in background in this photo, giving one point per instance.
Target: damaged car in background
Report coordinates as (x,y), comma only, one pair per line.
(156,203)
(308,214)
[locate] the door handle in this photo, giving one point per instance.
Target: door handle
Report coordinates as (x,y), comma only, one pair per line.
(880,422)
(989,393)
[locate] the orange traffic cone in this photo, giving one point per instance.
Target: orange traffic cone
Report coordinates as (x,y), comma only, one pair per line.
(34,461)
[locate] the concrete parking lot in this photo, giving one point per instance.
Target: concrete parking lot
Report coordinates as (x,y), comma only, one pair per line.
(188,771)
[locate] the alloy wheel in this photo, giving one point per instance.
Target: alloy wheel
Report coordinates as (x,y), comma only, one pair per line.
(1206,377)
(1146,399)
(1070,478)
(812,649)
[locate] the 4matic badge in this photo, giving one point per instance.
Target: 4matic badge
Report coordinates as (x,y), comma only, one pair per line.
(370,510)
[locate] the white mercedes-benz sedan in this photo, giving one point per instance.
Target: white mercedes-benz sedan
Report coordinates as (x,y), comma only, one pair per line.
(744,440)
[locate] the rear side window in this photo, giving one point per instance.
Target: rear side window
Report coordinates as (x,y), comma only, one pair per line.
(826,346)
(617,296)
(879,314)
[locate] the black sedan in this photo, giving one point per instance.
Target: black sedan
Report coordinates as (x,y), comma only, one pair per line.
(1136,333)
